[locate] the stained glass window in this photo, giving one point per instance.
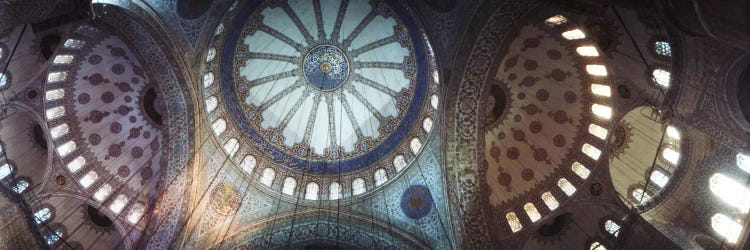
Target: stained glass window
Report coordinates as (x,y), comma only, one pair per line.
(289,184)
(399,162)
(311,191)
(550,201)
(580,170)
(612,228)
(730,191)
(726,227)
(513,222)
(334,191)
(358,186)
(415,145)
(574,34)
(267,177)
(21,186)
(566,187)
(76,164)
(532,212)
(118,204)
(42,215)
(53,237)
(663,48)
(380,177)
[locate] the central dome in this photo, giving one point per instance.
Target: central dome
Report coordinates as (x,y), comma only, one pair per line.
(326,67)
(325,88)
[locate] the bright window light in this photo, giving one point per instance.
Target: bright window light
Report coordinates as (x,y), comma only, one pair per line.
(612,228)
(427,124)
(513,222)
(118,204)
(399,162)
(289,185)
(598,131)
(743,162)
(640,196)
(208,79)
(566,187)
(76,164)
(574,34)
(358,186)
(335,191)
(42,215)
(532,212)
(550,201)
(596,70)
(211,103)
(733,193)
(59,130)
(580,170)
(267,177)
(671,155)
(136,213)
(63,59)
(601,90)
(587,51)
(232,146)
(415,145)
(248,164)
(604,112)
(311,191)
(662,77)
(54,113)
(380,177)
(219,126)
(659,178)
(591,151)
(673,133)
(5,170)
(66,148)
(726,227)
(88,179)
(103,193)
(54,94)
(57,77)
(556,20)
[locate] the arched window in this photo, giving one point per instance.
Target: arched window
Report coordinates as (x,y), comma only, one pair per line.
(601,90)
(21,186)
(566,187)
(587,50)
(434,99)
(399,162)
(663,48)
(103,193)
(591,151)
(556,20)
(219,126)
(601,111)
(597,246)
(659,178)
(550,201)
(66,148)
(670,155)
(580,170)
(380,177)
(3,80)
(63,59)
(730,191)
(743,162)
(267,176)
(53,237)
(640,196)
(513,222)
(427,124)
(673,133)
(598,131)
(612,228)
(54,113)
(208,79)
(574,34)
(76,164)
(73,44)
(662,77)
(289,184)
(248,164)
(334,191)
(118,204)
(136,213)
(415,145)
(219,29)
(232,146)
(532,212)
(726,227)
(211,103)
(211,54)
(358,186)
(57,77)
(5,170)
(59,131)
(42,215)
(88,179)
(596,70)
(54,94)
(311,191)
